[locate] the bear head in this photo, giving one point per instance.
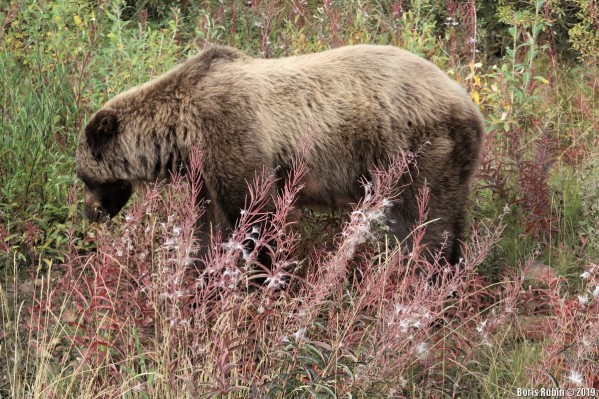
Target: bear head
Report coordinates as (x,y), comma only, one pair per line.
(103,167)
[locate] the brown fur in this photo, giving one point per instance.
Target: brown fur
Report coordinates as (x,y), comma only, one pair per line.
(364,103)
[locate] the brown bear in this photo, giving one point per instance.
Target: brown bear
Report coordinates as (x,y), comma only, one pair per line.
(364,104)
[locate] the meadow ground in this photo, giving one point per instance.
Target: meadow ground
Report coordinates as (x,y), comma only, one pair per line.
(122,310)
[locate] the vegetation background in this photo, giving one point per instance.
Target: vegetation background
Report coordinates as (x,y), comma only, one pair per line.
(105,311)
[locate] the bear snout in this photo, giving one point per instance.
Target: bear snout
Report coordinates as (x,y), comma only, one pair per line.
(92,208)
(95,214)
(105,200)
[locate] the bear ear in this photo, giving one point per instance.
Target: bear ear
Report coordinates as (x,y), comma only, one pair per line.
(103,127)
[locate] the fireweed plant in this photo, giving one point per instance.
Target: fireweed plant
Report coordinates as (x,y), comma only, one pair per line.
(153,312)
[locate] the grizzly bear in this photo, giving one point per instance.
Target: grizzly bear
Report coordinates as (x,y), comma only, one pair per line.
(364,104)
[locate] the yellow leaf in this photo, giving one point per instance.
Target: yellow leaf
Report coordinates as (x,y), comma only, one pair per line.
(475,97)
(476,80)
(77,20)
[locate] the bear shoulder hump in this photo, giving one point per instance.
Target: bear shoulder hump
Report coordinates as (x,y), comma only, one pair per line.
(200,65)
